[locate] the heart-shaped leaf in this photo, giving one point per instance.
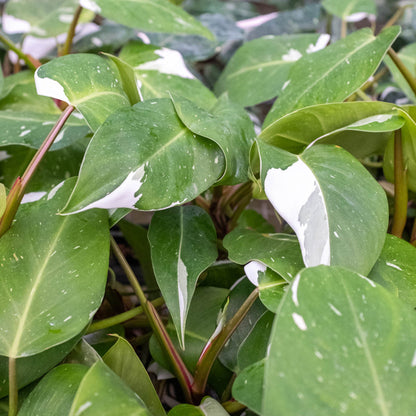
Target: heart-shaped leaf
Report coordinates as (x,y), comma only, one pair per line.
(333,73)
(183,244)
(151,15)
(341,344)
(89,82)
(54,280)
(258,70)
(151,141)
(336,208)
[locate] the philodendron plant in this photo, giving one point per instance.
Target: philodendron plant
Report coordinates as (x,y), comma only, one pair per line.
(209,308)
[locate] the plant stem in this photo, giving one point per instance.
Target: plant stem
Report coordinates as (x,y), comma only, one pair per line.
(214,347)
(403,69)
(7,42)
(400,188)
(71,32)
(182,373)
(399,13)
(343,28)
(122,317)
(232,406)
(413,235)
(13,390)
(16,194)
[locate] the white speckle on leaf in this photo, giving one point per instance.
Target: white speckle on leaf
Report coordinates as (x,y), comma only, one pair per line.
(334,309)
(24,133)
(90,5)
(395,266)
(139,89)
(96,41)
(32,197)
(170,62)
(4,155)
(414,360)
(65,18)
(285,84)
(67,318)
(295,194)
(299,321)
(144,38)
(124,196)
(320,43)
(54,190)
(11,25)
(50,88)
(292,55)
(295,285)
(336,234)
(252,271)
(60,136)
(253,22)
(319,355)
(182,276)
(368,280)
(356,17)
(83,407)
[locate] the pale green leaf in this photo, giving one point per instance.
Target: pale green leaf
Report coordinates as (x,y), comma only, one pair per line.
(351,10)
(395,269)
(352,352)
(156,162)
(258,70)
(331,123)
(183,244)
(150,15)
(54,394)
(336,208)
(229,127)
(54,278)
(103,393)
(161,71)
(334,73)
(123,360)
(208,407)
(89,82)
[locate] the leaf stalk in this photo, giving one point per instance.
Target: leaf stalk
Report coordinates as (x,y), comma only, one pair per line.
(10,45)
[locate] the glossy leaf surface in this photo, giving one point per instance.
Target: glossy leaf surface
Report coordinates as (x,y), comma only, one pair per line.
(54,280)
(155,163)
(183,244)
(333,73)
(338,355)
(337,213)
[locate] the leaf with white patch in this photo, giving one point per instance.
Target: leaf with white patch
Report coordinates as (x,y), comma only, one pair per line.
(102,392)
(150,15)
(333,73)
(156,162)
(53,280)
(352,352)
(408,134)
(89,82)
(208,407)
(183,244)
(258,70)
(336,208)
(338,123)
(395,269)
(162,71)
(229,127)
(351,10)
(31,128)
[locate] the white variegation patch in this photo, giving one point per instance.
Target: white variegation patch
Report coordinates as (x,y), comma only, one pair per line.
(292,55)
(320,43)
(32,197)
(170,62)
(297,197)
(50,88)
(248,24)
(182,276)
(90,5)
(252,271)
(356,17)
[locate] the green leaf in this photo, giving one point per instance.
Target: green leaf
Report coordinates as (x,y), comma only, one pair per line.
(139,164)
(333,73)
(336,124)
(31,128)
(271,289)
(407,56)
(259,69)
(395,269)
(229,127)
(161,71)
(336,208)
(351,10)
(35,366)
(123,360)
(151,15)
(2,199)
(208,407)
(41,18)
(83,353)
(54,280)
(128,79)
(183,244)
(408,133)
(89,82)
(352,352)
(103,393)
(252,220)
(248,386)
(54,394)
